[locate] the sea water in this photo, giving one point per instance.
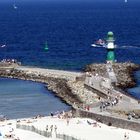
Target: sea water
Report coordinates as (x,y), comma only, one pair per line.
(69,28)
(20,99)
(135,91)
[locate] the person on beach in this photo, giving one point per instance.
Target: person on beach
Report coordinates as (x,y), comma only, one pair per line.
(55,129)
(51,128)
(126,136)
(11,129)
(46,127)
(95,124)
(68,121)
(52,114)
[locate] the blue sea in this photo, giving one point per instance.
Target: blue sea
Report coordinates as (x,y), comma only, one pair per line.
(69,28)
(21,99)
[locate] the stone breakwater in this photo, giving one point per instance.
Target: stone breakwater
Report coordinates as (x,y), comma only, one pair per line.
(55,80)
(124,72)
(58,81)
(64,84)
(69,86)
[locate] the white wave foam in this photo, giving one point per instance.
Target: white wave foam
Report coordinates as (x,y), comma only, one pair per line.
(127,47)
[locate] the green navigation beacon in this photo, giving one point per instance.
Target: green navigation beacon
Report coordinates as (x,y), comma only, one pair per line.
(46,46)
(110,47)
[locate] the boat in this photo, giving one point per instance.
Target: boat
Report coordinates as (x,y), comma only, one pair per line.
(99,43)
(14,6)
(2,46)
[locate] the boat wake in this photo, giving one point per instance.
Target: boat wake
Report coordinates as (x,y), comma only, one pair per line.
(116,46)
(127,47)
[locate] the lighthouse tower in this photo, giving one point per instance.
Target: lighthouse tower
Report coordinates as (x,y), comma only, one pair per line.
(110,47)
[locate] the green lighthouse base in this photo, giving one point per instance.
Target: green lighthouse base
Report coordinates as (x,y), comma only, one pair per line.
(110,55)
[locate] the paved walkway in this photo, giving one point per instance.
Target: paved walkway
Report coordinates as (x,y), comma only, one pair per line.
(103,85)
(50,72)
(99,83)
(110,72)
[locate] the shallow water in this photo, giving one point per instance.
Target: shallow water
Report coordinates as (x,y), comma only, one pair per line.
(19,99)
(136,90)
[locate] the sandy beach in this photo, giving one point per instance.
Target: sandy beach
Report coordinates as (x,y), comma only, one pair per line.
(80,128)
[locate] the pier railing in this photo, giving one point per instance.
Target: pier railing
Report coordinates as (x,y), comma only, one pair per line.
(46,133)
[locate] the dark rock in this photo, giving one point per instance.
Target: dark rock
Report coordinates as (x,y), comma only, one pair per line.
(124,72)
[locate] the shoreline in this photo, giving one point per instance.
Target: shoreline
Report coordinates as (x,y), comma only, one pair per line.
(55,80)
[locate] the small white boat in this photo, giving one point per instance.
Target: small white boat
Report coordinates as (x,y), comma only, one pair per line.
(2,46)
(98,46)
(99,43)
(93,45)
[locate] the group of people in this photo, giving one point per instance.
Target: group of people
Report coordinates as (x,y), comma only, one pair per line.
(11,134)
(9,62)
(51,128)
(109,102)
(62,115)
(3,118)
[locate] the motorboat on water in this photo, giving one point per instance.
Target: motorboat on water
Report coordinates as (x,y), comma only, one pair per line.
(2,46)
(99,43)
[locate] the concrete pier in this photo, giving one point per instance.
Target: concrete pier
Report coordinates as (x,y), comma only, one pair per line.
(69,75)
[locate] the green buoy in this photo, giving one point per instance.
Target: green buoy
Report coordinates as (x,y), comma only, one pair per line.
(46,46)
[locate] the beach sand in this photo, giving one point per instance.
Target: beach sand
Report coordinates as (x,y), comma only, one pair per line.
(80,128)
